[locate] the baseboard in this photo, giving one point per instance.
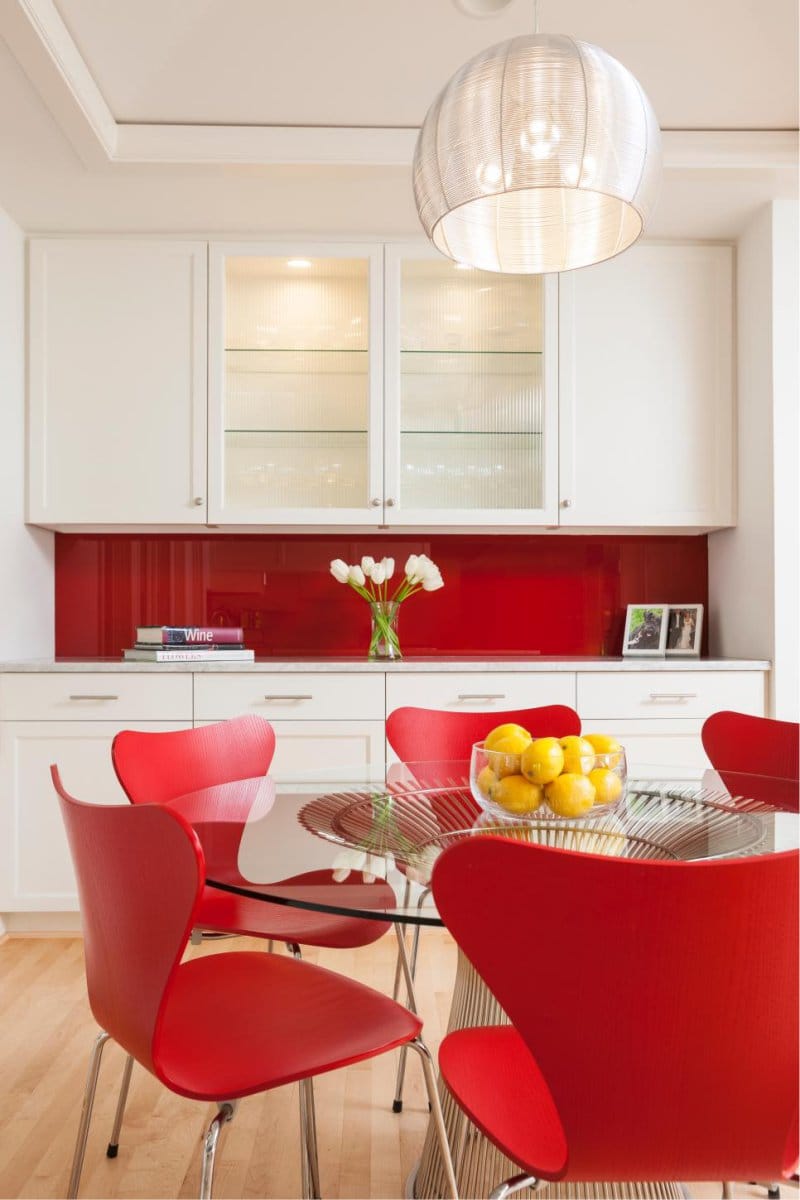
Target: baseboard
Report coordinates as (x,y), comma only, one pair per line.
(39,924)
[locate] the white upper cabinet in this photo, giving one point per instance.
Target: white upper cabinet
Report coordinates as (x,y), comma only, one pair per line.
(471,393)
(296,384)
(646,394)
(117,382)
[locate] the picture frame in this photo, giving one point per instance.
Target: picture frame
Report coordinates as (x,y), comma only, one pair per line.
(645,630)
(684,630)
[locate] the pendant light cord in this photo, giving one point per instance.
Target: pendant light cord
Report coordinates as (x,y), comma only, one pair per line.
(535,16)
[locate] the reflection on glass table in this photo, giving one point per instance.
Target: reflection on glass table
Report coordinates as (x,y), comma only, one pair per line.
(394,828)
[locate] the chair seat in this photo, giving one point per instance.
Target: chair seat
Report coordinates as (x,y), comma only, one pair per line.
(517,1112)
(245,1022)
(227,912)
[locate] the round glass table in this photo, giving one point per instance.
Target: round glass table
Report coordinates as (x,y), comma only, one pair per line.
(331,841)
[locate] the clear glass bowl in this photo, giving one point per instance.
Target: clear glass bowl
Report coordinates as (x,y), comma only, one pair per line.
(521,800)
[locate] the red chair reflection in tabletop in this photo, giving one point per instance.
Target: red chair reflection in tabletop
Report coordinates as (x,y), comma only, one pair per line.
(157,768)
(756,757)
(640,1057)
(220,1027)
(418,735)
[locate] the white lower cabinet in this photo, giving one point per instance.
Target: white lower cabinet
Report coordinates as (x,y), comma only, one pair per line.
(476,691)
(658,715)
(35,866)
(326,722)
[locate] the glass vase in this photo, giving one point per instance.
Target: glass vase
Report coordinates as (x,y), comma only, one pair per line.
(384,640)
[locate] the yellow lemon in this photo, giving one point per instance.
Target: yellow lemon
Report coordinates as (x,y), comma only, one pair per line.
(578,755)
(607,785)
(486,781)
(513,737)
(603,743)
(570,795)
(502,762)
(516,795)
(542,761)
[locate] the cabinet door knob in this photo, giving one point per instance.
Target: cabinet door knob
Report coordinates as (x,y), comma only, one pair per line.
(390,503)
(375,502)
(198,501)
(566,504)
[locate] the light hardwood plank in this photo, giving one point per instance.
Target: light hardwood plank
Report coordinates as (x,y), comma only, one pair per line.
(365,1150)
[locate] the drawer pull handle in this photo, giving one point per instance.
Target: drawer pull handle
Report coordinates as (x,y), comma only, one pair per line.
(673,695)
(482,696)
(290,696)
(88,697)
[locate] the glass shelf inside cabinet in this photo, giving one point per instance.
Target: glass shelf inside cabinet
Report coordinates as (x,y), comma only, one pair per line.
(296,383)
(471,388)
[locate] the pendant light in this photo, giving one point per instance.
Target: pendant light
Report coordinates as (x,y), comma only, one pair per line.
(541,154)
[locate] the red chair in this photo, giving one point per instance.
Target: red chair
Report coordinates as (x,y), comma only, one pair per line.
(158,767)
(219,1027)
(636,1040)
(431,736)
(422,734)
(755,757)
(155,768)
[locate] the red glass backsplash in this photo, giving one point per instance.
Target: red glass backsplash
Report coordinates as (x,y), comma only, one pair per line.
(509,594)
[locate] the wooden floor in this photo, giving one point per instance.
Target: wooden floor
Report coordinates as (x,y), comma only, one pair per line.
(45,1037)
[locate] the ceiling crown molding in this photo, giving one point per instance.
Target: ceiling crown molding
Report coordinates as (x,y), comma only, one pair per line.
(44,47)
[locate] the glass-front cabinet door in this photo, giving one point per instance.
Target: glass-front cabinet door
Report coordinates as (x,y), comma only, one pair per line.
(295,384)
(471,393)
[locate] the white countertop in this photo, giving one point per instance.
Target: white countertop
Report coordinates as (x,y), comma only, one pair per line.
(406,665)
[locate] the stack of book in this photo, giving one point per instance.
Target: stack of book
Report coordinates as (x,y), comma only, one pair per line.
(188,643)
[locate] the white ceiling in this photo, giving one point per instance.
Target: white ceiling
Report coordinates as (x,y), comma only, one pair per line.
(705,64)
(228,69)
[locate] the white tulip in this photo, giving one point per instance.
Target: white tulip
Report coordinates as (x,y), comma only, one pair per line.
(432,583)
(413,571)
(356,575)
(378,574)
(388,566)
(346,861)
(340,570)
(367,564)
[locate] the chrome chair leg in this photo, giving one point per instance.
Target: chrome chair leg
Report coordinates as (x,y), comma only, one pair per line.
(515,1184)
(305,1173)
(307,1086)
(86,1114)
(113,1146)
(224,1115)
(398,966)
(436,1108)
(411,1001)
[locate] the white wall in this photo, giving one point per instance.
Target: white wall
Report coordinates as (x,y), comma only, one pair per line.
(786,455)
(26,554)
(753,568)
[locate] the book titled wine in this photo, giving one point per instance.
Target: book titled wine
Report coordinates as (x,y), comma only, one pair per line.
(188,654)
(188,635)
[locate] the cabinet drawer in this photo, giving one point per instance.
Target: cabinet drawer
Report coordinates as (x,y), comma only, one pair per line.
(668,693)
(480,691)
(96,696)
(292,696)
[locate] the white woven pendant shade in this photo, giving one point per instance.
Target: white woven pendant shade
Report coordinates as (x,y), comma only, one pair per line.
(541,154)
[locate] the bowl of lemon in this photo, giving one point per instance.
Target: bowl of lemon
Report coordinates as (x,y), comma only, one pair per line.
(514,775)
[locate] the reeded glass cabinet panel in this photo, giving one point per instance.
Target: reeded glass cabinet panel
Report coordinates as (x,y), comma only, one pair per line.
(299,387)
(470,393)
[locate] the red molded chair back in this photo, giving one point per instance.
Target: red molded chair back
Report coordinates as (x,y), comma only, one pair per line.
(654,997)
(743,748)
(154,768)
(423,734)
(140,875)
